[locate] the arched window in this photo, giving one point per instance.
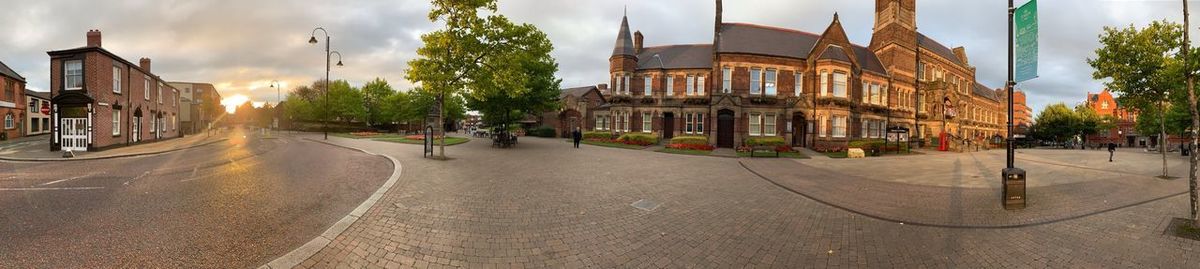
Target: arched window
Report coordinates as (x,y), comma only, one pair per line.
(8,121)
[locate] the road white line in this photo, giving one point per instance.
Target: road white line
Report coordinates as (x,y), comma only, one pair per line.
(68,179)
(136,178)
(52,189)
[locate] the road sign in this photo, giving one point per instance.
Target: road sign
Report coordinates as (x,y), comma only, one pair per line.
(46,108)
(1026,42)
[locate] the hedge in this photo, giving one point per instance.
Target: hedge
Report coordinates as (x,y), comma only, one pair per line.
(597,135)
(643,139)
(690,140)
(544,131)
(765,141)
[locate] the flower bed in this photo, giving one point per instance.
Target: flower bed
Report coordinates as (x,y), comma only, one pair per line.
(691,147)
(640,139)
(420,137)
(693,140)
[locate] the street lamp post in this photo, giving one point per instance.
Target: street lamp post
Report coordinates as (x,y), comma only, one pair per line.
(278,100)
(325,113)
(1013,178)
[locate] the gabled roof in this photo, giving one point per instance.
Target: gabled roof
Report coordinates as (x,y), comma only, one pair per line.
(114,57)
(676,57)
(576,92)
(8,72)
(766,40)
(939,49)
(868,61)
(834,52)
(984,91)
(42,95)
(624,44)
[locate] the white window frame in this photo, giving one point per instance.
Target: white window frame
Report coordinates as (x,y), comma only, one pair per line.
(771,82)
(840,83)
(627,77)
(9,122)
(824,83)
(699,85)
(690,89)
(670,87)
(755,124)
(116,122)
(839,126)
(116,80)
(146,87)
(688,123)
(648,88)
(726,80)
(875,94)
(699,123)
(769,124)
(647,123)
(160,86)
(866,92)
(77,74)
(799,89)
(756,80)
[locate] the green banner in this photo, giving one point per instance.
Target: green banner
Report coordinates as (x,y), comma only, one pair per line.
(1027,41)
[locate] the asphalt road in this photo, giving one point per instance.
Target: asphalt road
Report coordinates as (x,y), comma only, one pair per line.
(234,204)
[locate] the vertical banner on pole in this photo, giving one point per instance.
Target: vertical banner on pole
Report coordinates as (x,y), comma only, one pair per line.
(1027,42)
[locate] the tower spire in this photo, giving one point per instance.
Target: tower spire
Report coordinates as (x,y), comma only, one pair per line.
(624,44)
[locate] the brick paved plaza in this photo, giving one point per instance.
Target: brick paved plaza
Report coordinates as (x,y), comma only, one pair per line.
(544,204)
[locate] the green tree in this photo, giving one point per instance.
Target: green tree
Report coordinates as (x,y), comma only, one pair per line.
(375,95)
(476,56)
(1056,123)
(1087,122)
(1140,65)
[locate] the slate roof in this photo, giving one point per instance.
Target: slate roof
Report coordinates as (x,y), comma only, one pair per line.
(576,92)
(676,57)
(749,39)
(939,49)
(834,52)
(624,44)
(985,92)
(8,72)
(43,95)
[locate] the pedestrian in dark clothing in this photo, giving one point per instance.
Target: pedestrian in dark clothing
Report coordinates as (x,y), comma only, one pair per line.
(576,136)
(1112,147)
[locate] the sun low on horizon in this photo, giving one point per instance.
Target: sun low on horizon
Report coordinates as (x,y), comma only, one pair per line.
(233,101)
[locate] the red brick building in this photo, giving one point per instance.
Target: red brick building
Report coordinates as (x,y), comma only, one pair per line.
(1124,133)
(576,105)
(12,103)
(812,90)
(100,100)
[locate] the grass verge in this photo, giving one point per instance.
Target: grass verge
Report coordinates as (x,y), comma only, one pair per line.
(450,141)
(792,155)
(686,151)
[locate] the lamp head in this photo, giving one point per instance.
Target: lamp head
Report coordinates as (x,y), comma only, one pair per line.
(312,40)
(339,63)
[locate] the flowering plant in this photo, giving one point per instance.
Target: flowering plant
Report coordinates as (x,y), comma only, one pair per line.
(691,147)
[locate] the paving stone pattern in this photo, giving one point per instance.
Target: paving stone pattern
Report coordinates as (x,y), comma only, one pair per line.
(544,204)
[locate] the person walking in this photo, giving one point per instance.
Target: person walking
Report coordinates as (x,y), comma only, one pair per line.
(576,136)
(1112,147)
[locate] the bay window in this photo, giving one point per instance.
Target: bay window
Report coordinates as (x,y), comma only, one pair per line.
(824,83)
(839,84)
(839,126)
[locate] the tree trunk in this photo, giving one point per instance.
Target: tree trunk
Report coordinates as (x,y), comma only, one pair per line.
(1162,134)
(1193,189)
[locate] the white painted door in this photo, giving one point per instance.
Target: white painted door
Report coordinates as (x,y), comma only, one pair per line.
(74,134)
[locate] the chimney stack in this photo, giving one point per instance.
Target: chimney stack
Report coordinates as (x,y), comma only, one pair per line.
(145,65)
(93,38)
(637,42)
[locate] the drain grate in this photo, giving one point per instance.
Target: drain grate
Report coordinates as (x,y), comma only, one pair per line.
(646,205)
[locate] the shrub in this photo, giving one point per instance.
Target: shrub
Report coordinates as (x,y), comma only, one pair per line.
(597,135)
(765,141)
(690,140)
(544,131)
(703,147)
(641,139)
(365,133)
(784,148)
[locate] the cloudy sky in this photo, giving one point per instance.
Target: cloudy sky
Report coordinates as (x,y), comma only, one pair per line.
(240,46)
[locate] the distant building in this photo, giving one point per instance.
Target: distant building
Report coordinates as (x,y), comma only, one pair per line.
(576,106)
(198,106)
(100,100)
(1022,114)
(1124,133)
(12,102)
(37,119)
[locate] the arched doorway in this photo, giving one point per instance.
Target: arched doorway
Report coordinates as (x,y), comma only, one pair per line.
(725,127)
(799,130)
(568,120)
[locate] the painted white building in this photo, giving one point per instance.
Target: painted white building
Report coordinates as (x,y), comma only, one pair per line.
(37,119)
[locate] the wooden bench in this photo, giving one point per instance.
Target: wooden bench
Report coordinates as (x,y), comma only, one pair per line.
(763,149)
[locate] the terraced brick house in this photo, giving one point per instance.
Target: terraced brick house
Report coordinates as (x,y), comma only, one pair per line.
(12,103)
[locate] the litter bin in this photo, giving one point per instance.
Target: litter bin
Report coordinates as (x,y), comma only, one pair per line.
(1014,188)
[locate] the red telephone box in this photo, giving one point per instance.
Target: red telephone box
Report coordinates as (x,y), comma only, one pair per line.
(943,145)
